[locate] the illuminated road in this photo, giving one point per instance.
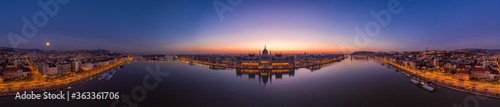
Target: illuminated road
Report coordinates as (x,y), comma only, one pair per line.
(476,87)
(46,85)
(37,76)
(496,61)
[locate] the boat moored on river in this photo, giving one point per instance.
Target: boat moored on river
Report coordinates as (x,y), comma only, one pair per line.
(423,85)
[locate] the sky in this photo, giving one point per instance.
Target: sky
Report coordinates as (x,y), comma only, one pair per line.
(288,26)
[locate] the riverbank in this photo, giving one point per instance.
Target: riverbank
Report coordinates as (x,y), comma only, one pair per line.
(222,66)
(477,88)
(60,83)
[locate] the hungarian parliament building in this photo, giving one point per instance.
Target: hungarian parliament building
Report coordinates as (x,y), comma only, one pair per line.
(262,61)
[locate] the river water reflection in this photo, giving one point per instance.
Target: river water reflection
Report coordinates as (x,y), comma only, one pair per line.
(349,83)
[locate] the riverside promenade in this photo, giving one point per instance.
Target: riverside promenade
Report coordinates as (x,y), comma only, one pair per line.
(40,85)
(474,87)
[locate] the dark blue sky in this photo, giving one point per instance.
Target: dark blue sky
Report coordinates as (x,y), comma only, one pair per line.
(193,26)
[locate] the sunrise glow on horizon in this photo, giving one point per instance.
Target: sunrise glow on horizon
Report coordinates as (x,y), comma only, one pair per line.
(294,26)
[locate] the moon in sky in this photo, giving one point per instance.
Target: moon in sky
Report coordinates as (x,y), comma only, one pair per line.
(47,44)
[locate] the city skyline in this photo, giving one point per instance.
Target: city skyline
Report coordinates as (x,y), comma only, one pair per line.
(290,27)
(255,53)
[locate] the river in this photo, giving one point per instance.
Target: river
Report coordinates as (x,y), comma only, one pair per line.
(349,83)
